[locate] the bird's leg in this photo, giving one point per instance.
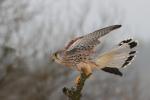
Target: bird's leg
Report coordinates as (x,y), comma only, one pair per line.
(85,68)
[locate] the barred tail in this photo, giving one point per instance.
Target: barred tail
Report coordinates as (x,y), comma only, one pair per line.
(118,57)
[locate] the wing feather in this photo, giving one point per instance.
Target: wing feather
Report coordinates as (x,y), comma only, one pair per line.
(89,41)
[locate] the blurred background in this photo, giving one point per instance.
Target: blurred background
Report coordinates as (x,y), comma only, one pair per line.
(31,30)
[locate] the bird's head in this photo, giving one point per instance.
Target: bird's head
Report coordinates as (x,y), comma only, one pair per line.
(57,56)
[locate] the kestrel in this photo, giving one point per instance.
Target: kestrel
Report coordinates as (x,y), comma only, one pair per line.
(78,53)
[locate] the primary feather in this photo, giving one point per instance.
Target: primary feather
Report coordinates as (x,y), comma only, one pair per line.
(89,41)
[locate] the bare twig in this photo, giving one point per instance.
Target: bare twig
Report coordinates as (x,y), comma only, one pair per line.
(75,92)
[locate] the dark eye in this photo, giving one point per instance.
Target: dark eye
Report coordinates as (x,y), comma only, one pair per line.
(55,54)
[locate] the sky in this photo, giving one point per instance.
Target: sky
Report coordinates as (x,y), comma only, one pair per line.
(137,16)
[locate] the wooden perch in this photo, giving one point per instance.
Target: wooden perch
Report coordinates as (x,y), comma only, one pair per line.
(75,92)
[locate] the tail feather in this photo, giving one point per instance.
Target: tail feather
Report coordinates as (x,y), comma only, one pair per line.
(119,57)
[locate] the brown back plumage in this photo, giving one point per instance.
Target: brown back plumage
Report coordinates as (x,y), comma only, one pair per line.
(80,48)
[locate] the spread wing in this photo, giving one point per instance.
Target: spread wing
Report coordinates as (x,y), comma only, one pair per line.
(85,44)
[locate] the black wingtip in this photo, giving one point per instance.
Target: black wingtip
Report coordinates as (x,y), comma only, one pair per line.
(117,26)
(133,44)
(114,71)
(125,41)
(128,60)
(132,52)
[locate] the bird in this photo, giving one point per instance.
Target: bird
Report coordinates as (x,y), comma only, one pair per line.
(78,53)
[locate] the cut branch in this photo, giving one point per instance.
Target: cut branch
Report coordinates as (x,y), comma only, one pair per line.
(75,92)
